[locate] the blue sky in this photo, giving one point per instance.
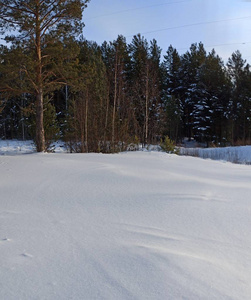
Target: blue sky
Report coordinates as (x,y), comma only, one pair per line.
(221,24)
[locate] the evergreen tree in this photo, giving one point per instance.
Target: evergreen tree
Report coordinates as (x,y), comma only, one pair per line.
(139,84)
(172,93)
(196,91)
(145,86)
(155,106)
(116,58)
(191,61)
(240,105)
(109,96)
(40,31)
(172,64)
(216,85)
(85,126)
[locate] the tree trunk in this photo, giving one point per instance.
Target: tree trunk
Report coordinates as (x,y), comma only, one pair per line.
(86,121)
(114,103)
(40,138)
(106,118)
(244,128)
(147,104)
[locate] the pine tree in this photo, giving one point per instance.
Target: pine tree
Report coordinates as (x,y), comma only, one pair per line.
(85,126)
(145,86)
(155,106)
(116,58)
(40,29)
(138,76)
(172,94)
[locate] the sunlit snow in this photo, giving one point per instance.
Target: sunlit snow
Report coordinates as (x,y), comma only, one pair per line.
(136,225)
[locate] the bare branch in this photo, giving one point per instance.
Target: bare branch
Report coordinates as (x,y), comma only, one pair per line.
(50,23)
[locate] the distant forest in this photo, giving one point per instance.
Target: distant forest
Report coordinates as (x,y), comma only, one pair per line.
(115,94)
(54,85)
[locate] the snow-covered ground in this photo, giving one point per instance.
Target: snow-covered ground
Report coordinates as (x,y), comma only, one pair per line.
(240,155)
(13,147)
(138,225)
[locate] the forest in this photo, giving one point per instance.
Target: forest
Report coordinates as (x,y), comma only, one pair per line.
(102,98)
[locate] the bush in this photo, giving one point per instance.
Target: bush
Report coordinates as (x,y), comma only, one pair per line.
(168,145)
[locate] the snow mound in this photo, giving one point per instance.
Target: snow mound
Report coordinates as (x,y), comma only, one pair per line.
(137,225)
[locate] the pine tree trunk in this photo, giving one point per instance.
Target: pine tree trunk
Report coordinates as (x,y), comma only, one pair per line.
(86,121)
(40,138)
(114,104)
(244,129)
(106,118)
(147,104)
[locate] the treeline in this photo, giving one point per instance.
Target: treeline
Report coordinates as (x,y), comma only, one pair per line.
(112,95)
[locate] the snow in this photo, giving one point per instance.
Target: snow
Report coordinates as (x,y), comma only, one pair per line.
(241,154)
(13,147)
(136,225)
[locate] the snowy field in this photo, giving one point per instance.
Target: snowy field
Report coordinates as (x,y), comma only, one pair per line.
(138,225)
(240,155)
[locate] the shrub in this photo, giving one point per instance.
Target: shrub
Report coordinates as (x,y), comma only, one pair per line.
(168,146)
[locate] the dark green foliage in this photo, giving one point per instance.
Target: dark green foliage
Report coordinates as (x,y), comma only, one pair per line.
(102,97)
(240,104)
(145,86)
(213,102)
(86,118)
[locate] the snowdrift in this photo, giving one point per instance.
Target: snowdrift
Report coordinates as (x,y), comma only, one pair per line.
(139,225)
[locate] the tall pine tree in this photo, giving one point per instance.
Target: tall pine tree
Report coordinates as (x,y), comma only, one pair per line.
(40,28)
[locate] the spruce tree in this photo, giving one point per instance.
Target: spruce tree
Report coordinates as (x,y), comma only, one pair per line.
(240,105)
(216,84)
(191,62)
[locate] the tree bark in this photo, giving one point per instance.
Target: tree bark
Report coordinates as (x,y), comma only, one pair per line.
(40,138)
(114,102)
(86,121)
(106,118)
(147,104)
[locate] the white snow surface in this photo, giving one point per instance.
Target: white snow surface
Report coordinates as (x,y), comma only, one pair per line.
(13,147)
(136,225)
(240,154)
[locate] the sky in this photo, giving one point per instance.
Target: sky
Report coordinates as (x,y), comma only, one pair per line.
(224,25)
